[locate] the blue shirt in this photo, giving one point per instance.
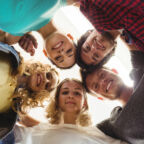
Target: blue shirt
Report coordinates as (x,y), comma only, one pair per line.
(18,17)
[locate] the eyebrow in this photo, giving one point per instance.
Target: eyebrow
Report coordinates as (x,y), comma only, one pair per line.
(64,88)
(70,55)
(78,88)
(61,61)
(94,58)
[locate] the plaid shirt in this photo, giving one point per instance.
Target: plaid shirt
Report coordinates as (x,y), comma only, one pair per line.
(117,14)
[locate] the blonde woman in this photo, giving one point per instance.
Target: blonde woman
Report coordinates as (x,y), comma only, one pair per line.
(68,118)
(22,86)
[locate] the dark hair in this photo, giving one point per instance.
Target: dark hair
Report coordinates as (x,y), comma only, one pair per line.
(62,68)
(84,74)
(91,67)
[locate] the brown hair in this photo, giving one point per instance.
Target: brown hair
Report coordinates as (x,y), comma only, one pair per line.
(54,113)
(91,67)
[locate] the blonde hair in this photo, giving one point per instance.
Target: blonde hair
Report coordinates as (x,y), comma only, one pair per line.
(54,113)
(26,99)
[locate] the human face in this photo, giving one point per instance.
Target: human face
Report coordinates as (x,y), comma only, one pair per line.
(60,50)
(71,97)
(43,81)
(96,47)
(105,82)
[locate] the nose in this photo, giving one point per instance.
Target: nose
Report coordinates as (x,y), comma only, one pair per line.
(71,96)
(103,82)
(61,50)
(93,47)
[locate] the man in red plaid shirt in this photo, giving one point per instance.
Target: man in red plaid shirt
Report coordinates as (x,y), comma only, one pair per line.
(124,17)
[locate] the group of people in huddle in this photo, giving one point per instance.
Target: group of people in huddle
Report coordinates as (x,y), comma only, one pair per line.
(25,85)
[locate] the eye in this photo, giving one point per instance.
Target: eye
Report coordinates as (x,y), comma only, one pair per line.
(96,86)
(77,93)
(95,39)
(58,58)
(102,75)
(96,55)
(65,92)
(48,86)
(69,51)
(87,48)
(48,75)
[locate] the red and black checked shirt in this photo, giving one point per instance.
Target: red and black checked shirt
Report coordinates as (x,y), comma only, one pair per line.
(117,14)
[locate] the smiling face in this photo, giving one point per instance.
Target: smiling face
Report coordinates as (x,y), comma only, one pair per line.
(43,81)
(71,97)
(105,82)
(60,50)
(96,47)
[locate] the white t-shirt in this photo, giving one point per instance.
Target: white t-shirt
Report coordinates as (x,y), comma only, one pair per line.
(64,134)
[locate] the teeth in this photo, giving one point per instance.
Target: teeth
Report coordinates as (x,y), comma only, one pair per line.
(108,86)
(58,45)
(38,80)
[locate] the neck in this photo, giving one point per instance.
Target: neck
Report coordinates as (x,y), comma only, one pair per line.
(47,29)
(126,94)
(70,118)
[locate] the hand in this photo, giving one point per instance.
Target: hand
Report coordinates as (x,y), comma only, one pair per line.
(28,43)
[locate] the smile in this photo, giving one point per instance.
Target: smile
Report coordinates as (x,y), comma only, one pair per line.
(109,85)
(58,45)
(39,79)
(70,102)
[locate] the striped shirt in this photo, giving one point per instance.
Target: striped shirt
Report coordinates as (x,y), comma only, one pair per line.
(117,14)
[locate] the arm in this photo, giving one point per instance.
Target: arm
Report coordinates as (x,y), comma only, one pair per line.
(106,125)
(10,39)
(129,125)
(29,43)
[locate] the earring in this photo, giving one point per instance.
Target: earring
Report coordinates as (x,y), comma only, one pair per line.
(100,98)
(70,36)
(45,53)
(114,70)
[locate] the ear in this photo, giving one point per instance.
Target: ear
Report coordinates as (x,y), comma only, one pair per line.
(85,105)
(70,36)
(45,53)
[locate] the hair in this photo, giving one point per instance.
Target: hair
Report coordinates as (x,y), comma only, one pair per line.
(24,98)
(54,62)
(54,113)
(81,41)
(84,73)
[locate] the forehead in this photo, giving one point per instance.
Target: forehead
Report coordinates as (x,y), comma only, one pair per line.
(72,84)
(96,74)
(92,34)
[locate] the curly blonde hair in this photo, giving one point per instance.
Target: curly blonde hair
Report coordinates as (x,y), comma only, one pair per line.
(25,99)
(54,113)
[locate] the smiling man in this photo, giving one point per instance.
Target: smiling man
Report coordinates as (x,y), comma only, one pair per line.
(95,49)
(108,84)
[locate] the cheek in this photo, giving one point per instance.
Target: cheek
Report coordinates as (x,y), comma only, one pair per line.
(61,101)
(80,102)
